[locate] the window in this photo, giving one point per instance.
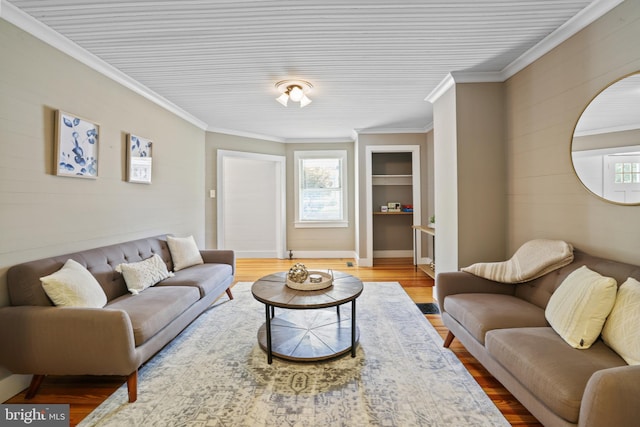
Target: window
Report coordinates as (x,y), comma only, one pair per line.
(321,191)
(627,173)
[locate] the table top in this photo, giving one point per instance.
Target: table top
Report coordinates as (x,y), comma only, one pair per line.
(272,290)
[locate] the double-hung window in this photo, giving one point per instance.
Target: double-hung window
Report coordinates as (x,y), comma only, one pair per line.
(321,188)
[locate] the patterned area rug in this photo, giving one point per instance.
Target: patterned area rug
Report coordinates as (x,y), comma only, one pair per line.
(215,374)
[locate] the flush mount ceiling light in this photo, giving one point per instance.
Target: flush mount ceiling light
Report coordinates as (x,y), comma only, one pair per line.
(295,90)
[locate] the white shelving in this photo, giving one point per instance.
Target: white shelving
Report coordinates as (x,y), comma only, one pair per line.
(391,179)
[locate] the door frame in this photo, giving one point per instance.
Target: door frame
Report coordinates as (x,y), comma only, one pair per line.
(281,205)
(415,182)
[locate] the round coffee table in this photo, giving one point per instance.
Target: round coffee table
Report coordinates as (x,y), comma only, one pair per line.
(309,329)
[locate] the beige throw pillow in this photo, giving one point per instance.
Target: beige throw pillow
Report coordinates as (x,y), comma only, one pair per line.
(184,252)
(140,275)
(74,286)
(579,307)
(621,331)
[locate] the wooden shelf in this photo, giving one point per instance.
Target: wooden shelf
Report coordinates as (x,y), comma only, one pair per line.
(424,229)
(393,213)
(426,268)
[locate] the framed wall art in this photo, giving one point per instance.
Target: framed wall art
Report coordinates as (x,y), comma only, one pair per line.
(139,159)
(76,146)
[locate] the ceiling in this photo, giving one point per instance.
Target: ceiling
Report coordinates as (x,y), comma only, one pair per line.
(371,62)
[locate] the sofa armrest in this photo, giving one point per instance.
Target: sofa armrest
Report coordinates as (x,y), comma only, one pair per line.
(220,256)
(611,398)
(460,282)
(67,341)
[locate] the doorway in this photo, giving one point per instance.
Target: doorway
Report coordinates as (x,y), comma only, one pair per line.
(251,204)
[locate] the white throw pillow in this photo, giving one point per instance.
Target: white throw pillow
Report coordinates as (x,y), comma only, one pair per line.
(579,307)
(140,275)
(74,286)
(184,252)
(621,331)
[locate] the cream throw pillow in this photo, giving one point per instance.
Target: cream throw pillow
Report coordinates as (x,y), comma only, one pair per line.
(621,331)
(140,275)
(184,252)
(579,307)
(74,286)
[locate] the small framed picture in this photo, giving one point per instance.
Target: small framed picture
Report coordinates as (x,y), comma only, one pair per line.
(76,146)
(139,159)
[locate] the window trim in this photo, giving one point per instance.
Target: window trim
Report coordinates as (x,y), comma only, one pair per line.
(298,156)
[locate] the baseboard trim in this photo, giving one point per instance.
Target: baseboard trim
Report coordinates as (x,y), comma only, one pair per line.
(393,254)
(12,385)
(323,254)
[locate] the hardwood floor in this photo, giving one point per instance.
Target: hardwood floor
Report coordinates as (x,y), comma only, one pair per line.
(86,393)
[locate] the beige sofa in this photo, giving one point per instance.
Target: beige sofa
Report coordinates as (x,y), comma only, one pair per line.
(41,339)
(504,327)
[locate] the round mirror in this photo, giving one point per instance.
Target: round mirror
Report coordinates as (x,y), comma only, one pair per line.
(605,149)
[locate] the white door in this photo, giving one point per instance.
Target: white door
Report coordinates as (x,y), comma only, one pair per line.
(251,204)
(622,178)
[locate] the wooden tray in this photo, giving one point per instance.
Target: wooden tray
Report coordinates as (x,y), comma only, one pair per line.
(327,280)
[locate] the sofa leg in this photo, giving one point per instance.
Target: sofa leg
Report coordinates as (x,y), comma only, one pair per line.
(448,339)
(228,291)
(34,386)
(132,386)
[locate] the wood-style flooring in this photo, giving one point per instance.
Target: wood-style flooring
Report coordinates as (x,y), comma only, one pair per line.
(86,393)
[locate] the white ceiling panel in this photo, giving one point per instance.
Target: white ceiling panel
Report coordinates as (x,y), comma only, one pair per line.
(372,63)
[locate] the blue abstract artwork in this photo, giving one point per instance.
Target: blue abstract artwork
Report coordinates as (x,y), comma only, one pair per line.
(76,146)
(139,155)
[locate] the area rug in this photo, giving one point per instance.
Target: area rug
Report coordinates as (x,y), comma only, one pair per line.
(215,374)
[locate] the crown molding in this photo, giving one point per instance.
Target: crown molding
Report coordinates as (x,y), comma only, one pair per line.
(244,134)
(26,22)
(582,19)
(337,140)
(383,130)
(447,83)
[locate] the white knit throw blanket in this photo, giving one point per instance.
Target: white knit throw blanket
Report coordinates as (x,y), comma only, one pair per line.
(532,260)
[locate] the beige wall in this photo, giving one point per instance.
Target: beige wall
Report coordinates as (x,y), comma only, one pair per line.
(481,173)
(607,140)
(320,239)
(543,103)
(298,239)
(43,215)
(219,141)
(470,174)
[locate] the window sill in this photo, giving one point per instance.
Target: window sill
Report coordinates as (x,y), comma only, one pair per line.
(321,224)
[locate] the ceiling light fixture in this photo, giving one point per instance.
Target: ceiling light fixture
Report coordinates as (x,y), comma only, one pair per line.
(295,90)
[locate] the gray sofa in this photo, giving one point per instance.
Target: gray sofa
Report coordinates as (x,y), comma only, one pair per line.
(504,327)
(41,339)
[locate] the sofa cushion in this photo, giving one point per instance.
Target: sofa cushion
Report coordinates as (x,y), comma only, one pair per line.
(142,274)
(206,277)
(551,370)
(155,308)
(578,308)
(621,331)
(184,252)
(73,286)
(478,313)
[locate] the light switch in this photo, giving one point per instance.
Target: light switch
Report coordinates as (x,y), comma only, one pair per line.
(212,194)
